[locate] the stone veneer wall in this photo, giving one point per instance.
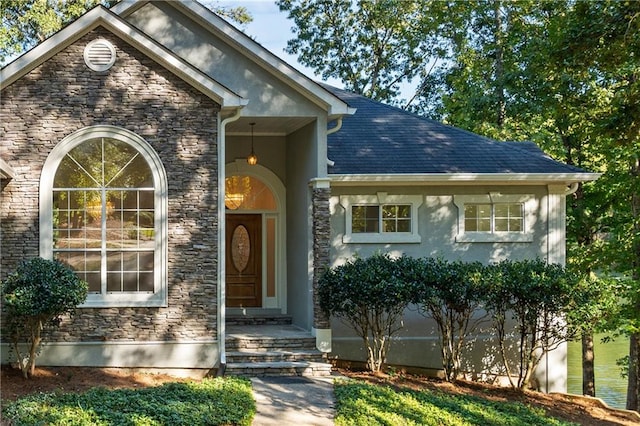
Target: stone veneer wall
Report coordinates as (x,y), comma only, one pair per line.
(321,235)
(64,95)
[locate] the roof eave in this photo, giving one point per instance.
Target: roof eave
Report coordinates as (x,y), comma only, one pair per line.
(99,16)
(442,179)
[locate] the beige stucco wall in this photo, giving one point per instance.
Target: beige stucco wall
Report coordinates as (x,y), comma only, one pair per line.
(267,95)
(438,225)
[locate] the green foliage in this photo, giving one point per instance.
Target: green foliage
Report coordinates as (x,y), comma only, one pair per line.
(372,46)
(25,23)
(359,403)
(36,295)
(535,296)
(210,402)
(451,293)
(369,295)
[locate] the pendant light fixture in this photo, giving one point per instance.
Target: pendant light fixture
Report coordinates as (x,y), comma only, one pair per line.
(252,159)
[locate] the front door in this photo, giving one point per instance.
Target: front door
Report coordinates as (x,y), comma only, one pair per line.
(244,260)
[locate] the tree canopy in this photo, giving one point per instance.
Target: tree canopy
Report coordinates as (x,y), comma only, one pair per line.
(562,73)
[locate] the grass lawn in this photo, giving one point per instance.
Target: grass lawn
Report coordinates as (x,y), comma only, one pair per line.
(360,403)
(217,401)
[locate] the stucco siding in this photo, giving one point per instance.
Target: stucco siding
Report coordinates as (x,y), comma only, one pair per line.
(438,226)
(62,96)
(271,152)
(300,169)
(267,95)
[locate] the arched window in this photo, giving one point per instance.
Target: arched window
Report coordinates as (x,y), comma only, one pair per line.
(248,193)
(103,211)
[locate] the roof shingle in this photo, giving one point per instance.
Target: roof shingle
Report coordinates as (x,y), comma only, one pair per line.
(382,139)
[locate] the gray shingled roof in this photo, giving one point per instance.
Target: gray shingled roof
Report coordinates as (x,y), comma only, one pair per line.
(381,139)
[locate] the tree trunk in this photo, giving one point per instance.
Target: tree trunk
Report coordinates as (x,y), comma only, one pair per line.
(588,371)
(499,65)
(36,338)
(633,386)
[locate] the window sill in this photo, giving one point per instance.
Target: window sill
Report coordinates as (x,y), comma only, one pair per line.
(125,301)
(381,238)
(505,237)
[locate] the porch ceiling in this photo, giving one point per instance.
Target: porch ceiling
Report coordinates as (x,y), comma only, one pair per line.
(272,126)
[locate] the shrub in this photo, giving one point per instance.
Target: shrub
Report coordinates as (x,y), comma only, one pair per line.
(537,297)
(369,295)
(35,296)
(451,293)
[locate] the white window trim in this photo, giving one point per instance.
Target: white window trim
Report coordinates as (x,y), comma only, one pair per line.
(348,201)
(159,296)
(526,236)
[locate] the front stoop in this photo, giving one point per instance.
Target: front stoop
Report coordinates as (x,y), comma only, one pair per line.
(273,350)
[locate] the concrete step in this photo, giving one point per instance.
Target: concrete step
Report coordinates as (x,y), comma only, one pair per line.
(258,320)
(283,368)
(275,356)
(273,350)
(269,344)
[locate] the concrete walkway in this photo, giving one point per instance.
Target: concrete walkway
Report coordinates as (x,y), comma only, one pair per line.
(296,400)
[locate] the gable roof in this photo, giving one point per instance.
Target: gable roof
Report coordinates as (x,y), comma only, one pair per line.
(384,140)
(102,17)
(240,41)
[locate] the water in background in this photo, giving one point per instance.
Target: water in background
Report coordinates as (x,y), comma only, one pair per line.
(610,387)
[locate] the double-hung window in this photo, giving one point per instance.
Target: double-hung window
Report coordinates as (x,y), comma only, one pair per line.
(494,217)
(381,218)
(103,212)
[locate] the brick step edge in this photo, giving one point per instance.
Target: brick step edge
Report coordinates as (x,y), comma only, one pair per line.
(269,345)
(293,368)
(270,356)
(258,320)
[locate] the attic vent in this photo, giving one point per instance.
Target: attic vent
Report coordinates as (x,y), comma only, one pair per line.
(99,55)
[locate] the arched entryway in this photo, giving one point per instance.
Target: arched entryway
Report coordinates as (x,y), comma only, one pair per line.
(255,238)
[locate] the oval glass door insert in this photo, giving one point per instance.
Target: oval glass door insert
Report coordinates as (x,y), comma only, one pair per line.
(240,248)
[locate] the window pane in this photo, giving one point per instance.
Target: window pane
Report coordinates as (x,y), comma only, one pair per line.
(484,225)
(125,167)
(114,282)
(94,281)
(396,218)
(509,217)
(404,225)
(502,225)
(146,282)
(364,219)
(130,281)
(248,193)
(477,217)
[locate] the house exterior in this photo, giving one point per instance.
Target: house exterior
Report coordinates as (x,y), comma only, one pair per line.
(124,143)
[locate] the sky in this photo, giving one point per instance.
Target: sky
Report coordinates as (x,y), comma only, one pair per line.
(272,30)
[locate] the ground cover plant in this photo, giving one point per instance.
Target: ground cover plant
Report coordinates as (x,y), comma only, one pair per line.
(361,403)
(213,401)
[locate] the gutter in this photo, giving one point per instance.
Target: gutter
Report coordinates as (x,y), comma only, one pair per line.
(332,130)
(572,189)
(407,179)
(222,327)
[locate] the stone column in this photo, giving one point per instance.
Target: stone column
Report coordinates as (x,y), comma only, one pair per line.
(321,230)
